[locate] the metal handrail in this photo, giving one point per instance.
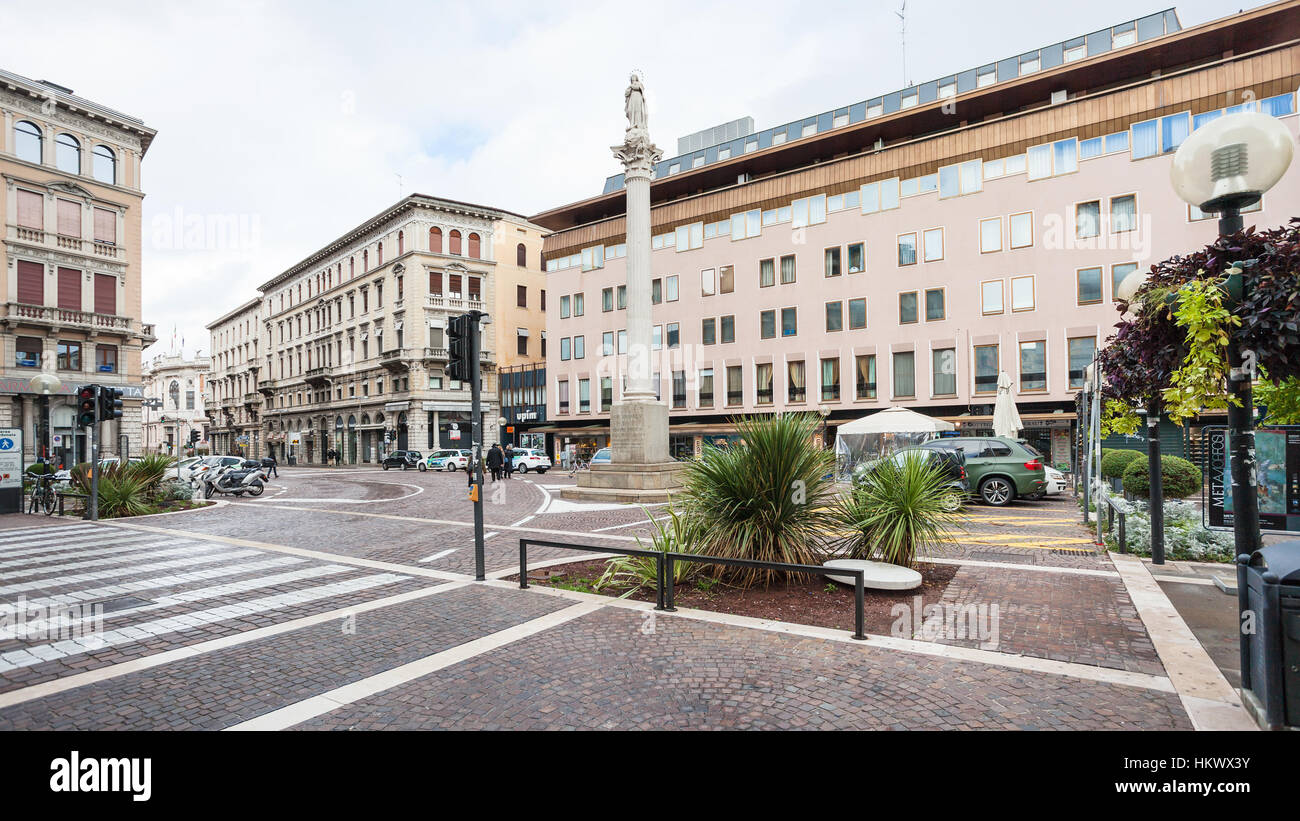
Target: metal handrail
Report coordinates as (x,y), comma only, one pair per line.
(1111,511)
(664,561)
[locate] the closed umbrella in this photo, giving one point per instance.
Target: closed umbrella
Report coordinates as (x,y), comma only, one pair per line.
(1006,419)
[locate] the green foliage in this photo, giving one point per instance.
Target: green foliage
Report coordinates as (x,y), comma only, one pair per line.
(174,491)
(1282,400)
(894,510)
(1200,383)
(681,535)
(1179,477)
(150,469)
(1113,462)
(121,494)
(760,500)
(1186,538)
(1119,418)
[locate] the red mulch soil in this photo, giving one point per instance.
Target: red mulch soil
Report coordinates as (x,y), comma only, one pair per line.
(819,602)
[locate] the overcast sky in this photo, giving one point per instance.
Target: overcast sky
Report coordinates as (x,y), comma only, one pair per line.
(294,120)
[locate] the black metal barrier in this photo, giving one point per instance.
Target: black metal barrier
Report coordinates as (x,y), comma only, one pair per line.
(1111,512)
(664,566)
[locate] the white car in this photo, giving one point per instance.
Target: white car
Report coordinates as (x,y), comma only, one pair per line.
(191,472)
(1055,481)
(446,460)
(527,459)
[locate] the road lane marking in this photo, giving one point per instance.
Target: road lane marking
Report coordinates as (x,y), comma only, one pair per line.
(439,555)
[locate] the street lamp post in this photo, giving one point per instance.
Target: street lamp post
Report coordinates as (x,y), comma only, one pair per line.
(1222,168)
(46,384)
(823,412)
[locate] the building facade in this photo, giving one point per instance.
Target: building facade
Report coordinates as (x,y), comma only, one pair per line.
(908,249)
(71,261)
(234,406)
(174,405)
(352,340)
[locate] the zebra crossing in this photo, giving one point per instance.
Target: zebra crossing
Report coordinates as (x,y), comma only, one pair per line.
(69,591)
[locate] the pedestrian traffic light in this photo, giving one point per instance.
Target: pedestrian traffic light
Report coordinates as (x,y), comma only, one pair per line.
(110,404)
(87,405)
(458,347)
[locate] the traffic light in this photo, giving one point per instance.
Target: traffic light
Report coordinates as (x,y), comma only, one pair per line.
(110,404)
(87,404)
(458,348)
(194,438)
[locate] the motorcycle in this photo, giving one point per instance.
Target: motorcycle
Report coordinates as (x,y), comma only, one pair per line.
(232,481)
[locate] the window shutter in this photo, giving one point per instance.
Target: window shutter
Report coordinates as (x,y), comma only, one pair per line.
(105,294)
(453,241)
(105,226)
(475,284)
(435,282)
(69,218)
(474,246)
(31,210)
(453,280)
(31,283)
(435,240)
(69,289)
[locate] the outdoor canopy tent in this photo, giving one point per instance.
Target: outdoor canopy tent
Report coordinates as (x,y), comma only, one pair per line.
(884,432)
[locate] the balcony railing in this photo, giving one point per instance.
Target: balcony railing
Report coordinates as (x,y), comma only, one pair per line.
(763,396)
(453,302)
(735,397)
(61,316)
(251,398)
(830,393)
(867,391)
(796,394)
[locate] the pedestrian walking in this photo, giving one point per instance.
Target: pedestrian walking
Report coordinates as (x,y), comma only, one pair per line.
(510,461)
(268,462)
(494,460)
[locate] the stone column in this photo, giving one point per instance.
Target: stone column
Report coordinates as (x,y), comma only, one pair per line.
(29,428)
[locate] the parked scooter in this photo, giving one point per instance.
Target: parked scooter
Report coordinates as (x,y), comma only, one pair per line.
(232,481)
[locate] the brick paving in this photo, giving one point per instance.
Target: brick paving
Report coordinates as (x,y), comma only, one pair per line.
(224,687)
(602,671)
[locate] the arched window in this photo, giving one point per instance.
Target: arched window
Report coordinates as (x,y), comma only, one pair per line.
(435,240)
(453,243)
(105,164)
(365,261)
(29,141)
(67,154)
(521,256)
(352,267)
(174,391)
(379,255)
(401,243)
(473,246)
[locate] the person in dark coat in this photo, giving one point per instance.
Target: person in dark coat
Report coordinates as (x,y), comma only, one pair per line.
(494,461)
(269,463)
(509,465)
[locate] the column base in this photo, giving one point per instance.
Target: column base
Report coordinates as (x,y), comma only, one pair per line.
(635,483)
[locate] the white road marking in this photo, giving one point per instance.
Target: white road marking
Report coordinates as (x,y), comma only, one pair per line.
(651,520)
(219,555)
(109,547)
(155,554)
(439,555)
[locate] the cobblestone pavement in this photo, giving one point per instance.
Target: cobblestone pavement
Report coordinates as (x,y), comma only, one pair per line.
(247,601)
(603,671)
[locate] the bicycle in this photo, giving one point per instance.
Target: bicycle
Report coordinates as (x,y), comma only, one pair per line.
(43,496)
(577,465)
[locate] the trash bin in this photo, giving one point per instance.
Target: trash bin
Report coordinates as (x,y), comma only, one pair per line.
(1269,585)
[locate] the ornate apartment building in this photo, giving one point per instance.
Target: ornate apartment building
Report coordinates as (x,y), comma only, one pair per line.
(346,351)
(907,248)
(70,257)
(179,385)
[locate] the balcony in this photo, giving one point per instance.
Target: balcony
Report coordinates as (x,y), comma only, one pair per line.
(63,318)
(252,398)
(318,377)
(265,387)
(436,354)
(77,245)
(395,360)
(453,302)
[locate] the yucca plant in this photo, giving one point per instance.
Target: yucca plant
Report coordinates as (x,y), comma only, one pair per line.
(121,494)
(680,535)
(150,469)
(763,499)
(895,508)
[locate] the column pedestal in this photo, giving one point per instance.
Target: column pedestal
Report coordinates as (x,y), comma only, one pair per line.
(641,470)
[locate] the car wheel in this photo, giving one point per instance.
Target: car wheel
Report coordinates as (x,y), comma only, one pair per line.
(997,491)
(423,467)
(385,466)
(523,468)
(449,467)
(951,502)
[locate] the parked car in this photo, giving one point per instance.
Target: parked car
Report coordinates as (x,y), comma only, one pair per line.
(1055,481)
(446,460)
(207,463)
(602,457)
(999,469)
(950,463)
(185,466)
(403,459)
(527,459)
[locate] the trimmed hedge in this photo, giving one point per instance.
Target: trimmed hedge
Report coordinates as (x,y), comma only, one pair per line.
(1180,477)
(1113,462)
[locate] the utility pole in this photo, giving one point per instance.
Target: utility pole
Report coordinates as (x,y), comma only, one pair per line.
(463,346)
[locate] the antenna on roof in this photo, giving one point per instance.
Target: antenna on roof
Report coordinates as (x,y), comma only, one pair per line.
(902,38)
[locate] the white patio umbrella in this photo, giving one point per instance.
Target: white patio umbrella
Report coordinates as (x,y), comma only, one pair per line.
(1006,419)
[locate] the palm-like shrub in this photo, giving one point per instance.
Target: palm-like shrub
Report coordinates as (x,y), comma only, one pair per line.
(680,535)
(150,469)
(896,508)
(121,494)
(764,499)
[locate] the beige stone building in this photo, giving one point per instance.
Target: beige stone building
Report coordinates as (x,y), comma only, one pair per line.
(233,405)
(70,257)
(177,386)
(350,352)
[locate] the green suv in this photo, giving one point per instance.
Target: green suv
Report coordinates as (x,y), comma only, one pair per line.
(999,469)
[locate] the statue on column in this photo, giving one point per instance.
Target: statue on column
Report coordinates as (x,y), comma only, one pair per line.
(634,107)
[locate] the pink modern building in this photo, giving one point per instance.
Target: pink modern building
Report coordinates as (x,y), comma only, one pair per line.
(907,249)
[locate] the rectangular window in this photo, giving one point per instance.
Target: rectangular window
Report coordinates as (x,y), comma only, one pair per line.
(679,389)
(857,314)
(1088,285)
(766,272)
(656,291)
(735,385)
(607,343)
(832,262)
(1022,229)
(28,351)
(708,285)
(907,308)
(1123,213)
(831,380)
(105,359)
(943,368)
(105,294)
(564,307)
(767,324)
(657,337)
(68,214)
(708,331)
(622,341)
(578,302)
(1117,275)
(904,375)
(907,249)
(621,293)
(986,368)
(566,349)
(105,226)
(606,392)
(31,210)
(933,239)
(789,322)
(1022,293)
(1145,139)
(606,299)
(1082,350)
(990,235)
(1087,219)
(857,258)
(1033,366)
(670,288)
(747,224)
(796,388)
(834,316)
(726,279)
(584,396)
(934,305)
(808,211)
(674,335)
(69,289)
(728,329)
(706,388)
(521,296)
(866,376)
(69,356)
(763,383)
(787,270)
